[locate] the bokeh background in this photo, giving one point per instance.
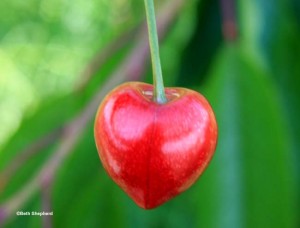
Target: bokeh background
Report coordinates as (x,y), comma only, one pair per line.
(58,58)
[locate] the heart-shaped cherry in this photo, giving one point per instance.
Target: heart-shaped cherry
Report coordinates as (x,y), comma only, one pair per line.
(154,151)
(154,142)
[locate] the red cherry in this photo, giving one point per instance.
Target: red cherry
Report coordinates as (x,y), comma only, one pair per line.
(154,151)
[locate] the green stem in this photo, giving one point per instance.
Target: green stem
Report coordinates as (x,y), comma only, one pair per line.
(159,95)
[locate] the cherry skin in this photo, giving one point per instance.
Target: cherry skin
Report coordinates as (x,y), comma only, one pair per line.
(154,151)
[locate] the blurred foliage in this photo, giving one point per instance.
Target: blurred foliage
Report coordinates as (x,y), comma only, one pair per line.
(252,83)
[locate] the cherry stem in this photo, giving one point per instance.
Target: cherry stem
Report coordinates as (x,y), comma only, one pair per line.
(159,95)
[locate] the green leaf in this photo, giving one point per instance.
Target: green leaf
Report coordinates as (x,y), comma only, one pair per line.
(251,182)
(50,116)
(277,41)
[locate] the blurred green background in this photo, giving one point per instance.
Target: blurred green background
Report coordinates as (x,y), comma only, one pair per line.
(252,82)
